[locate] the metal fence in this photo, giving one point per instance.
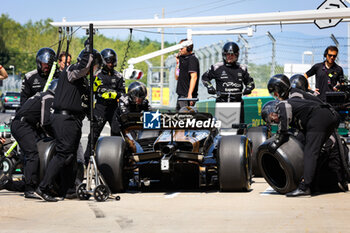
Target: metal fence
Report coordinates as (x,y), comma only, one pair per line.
(264,55)
(12,83)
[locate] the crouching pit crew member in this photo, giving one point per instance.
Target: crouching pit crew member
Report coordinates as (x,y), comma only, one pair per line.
(31,121)
(314,119)
(108,87)
(134,101)
(67,120)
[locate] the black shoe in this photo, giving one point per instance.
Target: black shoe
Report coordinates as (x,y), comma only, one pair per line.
(45,196)
(31,195)
(343,186)
(299,192)
(71,196)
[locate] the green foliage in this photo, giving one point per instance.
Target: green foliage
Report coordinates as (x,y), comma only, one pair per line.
(20,43)
(261,73)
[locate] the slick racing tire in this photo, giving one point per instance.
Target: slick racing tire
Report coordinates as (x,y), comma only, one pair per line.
(46,149)
(110,162)
(257,135)
(283,169)
(234,163)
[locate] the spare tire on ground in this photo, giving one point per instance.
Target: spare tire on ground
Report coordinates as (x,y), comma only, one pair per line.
(282,170)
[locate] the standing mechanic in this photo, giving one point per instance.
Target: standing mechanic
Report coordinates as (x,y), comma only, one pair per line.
(316,120)
(62,60)
(67,120)
(35,80)
(108,87)
(134,101)
(229,75)
(32,120)
(329,75)
(186,73)
(230,78)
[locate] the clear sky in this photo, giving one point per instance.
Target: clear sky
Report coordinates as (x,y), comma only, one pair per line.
(293,39)
(76,10)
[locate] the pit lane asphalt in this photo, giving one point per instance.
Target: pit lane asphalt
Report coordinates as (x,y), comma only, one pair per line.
(260,210)
(192,211)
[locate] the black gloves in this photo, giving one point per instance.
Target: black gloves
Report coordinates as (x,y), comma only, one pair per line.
(272,147)
(211,90)
(247,92)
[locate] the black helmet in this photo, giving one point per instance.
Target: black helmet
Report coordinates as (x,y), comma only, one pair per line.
(230,48)
(53,85)
(299,81)
(268,108)
(137,89)
(96,55)
(279,83)
(109,56)
(45,55)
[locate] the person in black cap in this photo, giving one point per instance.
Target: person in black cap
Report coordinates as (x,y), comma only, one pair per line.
(187,75)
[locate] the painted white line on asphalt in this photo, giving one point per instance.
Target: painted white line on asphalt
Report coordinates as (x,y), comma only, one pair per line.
(268,191)
(171,195)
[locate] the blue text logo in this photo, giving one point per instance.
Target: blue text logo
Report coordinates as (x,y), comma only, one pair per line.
(151,120)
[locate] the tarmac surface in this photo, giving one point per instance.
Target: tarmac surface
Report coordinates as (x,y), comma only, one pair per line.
(260,210)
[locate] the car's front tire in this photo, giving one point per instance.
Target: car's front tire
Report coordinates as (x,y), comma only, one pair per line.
(234,163)
(110,162)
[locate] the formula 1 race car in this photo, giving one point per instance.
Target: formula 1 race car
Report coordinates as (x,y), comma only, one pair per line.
(185,148)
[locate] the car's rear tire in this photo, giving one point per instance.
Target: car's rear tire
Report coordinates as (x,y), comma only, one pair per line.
(6,166)
(257,135)
(234,163)
(46,149)
(110,162)
(283,169)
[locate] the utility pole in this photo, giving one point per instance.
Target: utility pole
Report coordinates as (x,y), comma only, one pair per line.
(246,47)
(336,44)
(162,63)
(273,57)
